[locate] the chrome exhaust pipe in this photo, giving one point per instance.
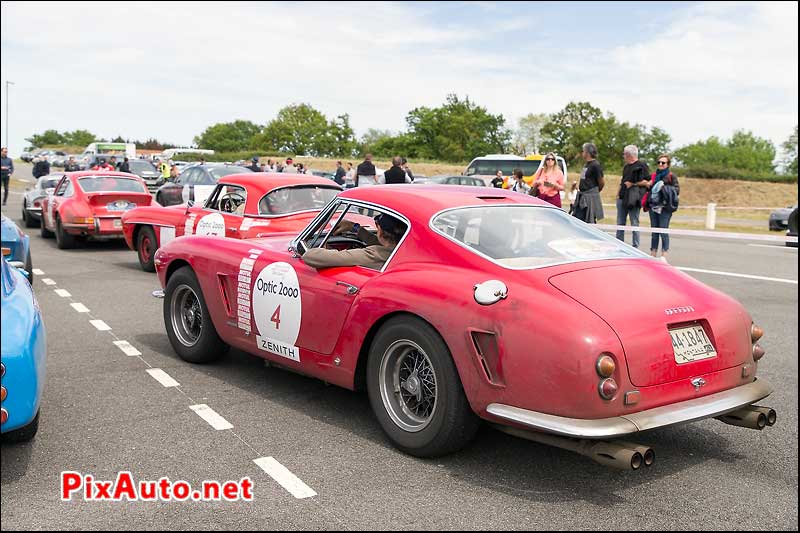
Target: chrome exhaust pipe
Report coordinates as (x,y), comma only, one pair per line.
(648,453)
(769,412)
(745,418)
(615,454)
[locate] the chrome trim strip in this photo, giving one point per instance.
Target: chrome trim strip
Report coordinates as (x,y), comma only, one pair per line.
(687,411)
(145,223)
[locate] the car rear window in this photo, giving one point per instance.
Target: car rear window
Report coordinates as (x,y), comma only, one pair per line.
(110,184)
(521,237)
(295,199)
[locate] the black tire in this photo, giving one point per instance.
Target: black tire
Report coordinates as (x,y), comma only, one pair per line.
(29,267)
(26,218)
(192,342)
(64,240)
(44,232)
(146,246)
(25,433)
(451,424)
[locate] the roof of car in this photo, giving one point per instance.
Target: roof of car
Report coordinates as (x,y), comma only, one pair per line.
(423,201)
(271,180)
(84,173)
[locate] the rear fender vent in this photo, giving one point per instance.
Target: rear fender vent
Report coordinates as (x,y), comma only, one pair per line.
(487,355)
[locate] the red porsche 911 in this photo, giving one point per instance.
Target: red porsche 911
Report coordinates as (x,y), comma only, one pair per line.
(90,205)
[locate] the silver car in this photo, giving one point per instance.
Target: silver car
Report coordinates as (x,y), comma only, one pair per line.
(32,201)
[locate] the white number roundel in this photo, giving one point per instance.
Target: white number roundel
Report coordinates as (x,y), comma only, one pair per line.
(277,308)
(212,224)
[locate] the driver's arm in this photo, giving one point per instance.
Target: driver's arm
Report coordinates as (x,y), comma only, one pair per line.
(324,258)
(363,234)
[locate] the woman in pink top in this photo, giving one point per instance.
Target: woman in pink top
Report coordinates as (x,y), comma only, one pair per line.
(549,181)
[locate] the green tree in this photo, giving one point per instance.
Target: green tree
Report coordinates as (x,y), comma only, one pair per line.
(228,136)
(344,142)
(79,138)
(302,130)
(789,147)
(744,151)
(457,131)
(48,138)
(118,139)
(528,136)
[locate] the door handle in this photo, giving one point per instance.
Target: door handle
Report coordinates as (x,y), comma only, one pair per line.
(351,289)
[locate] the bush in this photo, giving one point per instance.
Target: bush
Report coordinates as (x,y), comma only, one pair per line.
(720,172)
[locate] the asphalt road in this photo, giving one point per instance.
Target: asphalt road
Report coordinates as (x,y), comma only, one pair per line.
(103,413)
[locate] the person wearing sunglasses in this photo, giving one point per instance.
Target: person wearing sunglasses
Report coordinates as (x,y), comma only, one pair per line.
(548,181)
(378,250)
(661,202)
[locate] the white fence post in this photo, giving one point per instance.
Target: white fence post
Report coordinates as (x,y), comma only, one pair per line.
(711,216)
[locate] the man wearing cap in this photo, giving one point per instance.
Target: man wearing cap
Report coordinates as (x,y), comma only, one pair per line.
(254,166)
(378,250)
(289,168)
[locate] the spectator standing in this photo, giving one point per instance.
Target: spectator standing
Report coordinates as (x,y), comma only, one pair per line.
(407,171)
(289,168)
(634,184)
(396,174)
(163,167)
(254,164)
(113,162)
(549,181)
(41,167)
(573,194)
(340,173)
(662,201)
(350,176)
(366,173)
(498,180)
(124,166)
(588,204)
(174,172)
(518,183)
(71,165)
(6,169)
(202,160)
(270,166)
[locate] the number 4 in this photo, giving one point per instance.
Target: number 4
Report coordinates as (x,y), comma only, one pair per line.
(276,317)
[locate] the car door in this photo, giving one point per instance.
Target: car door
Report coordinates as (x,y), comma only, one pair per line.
(221,215)
(53,201)
(327,294)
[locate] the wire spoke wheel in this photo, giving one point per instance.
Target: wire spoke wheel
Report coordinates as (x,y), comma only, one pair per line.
(408,385)
(187,315)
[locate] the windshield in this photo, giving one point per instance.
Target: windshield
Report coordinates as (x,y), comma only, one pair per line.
(218,172)
(489,167)
(295,199)
(528,236)
(138,166)
(110,184)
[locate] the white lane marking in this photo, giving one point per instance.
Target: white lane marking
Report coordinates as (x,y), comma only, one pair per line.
(211,416)
(63,293)
(699,233)
(778,246)
(285,478)
(162,377)
(38,272)
(126,348)
(737,275)
(79,307)
(100,325)
(48,281)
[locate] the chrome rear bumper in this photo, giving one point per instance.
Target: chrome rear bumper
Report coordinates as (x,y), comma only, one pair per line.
(667,415)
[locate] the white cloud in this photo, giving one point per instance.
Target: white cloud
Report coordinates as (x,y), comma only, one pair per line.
(170,70)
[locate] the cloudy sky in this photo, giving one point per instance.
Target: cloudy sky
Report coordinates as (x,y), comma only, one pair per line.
(170,70)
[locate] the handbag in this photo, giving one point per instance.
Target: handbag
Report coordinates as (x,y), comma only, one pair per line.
(633,197)
(534,190)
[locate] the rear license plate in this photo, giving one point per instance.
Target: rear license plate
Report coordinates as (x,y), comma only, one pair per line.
(117,223)
(691,344)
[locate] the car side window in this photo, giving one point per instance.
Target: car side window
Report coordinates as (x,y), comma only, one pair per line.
(61,188)
(228,199)
(69,190)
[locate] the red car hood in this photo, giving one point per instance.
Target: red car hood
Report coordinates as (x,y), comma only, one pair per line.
(642,301)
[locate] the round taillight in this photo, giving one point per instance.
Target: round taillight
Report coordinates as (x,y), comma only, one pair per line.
(756,333)
(37,203)
(3,416)
(758,352)
(605,366)
(2,370)
(3,394)
(607,388)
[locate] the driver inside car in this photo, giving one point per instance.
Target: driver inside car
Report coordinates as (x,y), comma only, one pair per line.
(374,255)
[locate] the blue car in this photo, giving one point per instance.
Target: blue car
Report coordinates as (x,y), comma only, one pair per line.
(16,246)
(22,356)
